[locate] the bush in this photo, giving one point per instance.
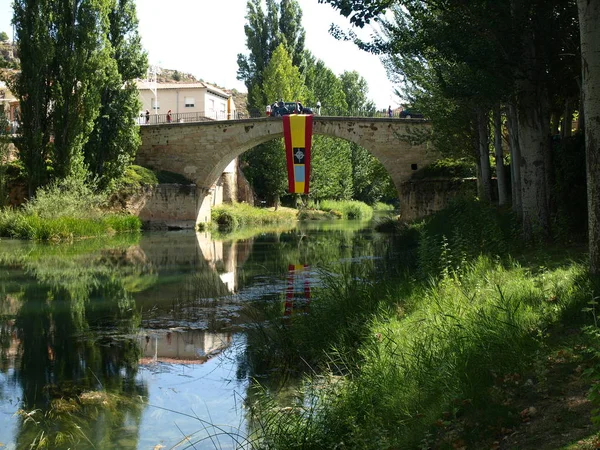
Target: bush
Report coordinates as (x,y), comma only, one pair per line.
(380,206)
(68,197)
(64,210)
(447,168)
(231,217)
(461,232)
(20,225)
(348,209)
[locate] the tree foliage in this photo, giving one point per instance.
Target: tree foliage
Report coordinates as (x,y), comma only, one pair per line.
(476,56)
(77,101)
(115,139)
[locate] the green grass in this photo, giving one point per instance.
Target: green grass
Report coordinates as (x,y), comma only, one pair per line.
(19,225)
(425,361)
(65,210)
(238,215)
(347,209)
(317,214)
(380,206)
(413,361)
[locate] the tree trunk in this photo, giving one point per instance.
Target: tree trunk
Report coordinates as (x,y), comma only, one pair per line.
(484,157)
(533,138)
(589,18)
(515,159)
(500,173)
(567,122)
(555,123)
(533,118)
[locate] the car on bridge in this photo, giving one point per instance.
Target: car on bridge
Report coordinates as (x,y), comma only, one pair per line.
(279,109)
(410,113)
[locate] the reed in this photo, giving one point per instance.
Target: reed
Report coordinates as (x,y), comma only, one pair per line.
(64,211)
(438,352)
(348,209)
(237,215)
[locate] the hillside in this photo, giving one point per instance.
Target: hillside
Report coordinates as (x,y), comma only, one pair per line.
(8,56)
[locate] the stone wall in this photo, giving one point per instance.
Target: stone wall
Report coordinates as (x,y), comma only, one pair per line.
(420,198)
(166,206)
(244,190)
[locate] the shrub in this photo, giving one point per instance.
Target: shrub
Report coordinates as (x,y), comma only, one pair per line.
(230,217)
(68,197)
(461,232)
(446,168)
(380,206)
(349,209)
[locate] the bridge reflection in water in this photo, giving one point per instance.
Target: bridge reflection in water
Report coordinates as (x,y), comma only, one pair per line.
(181,346)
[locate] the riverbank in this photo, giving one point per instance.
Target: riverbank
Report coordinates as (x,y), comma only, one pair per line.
(229,217)
(65,211)
(481,345)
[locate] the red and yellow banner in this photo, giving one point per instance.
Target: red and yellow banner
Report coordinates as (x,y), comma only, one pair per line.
(298,289)
(297,134)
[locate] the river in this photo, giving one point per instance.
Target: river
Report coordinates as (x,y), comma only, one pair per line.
(141,341)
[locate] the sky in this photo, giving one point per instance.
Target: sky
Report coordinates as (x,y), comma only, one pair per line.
(204,37)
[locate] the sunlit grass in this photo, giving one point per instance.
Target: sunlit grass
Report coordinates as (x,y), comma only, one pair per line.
(380,206)
(347,209)
(64,211)
(20,225)
(424,357)
(230,217)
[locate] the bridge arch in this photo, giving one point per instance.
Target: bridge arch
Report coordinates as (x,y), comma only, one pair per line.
(201,151)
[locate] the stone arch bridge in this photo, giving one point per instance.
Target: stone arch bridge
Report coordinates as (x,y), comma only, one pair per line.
(201,151)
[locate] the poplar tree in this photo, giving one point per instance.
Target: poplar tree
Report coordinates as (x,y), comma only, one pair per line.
(115,139)
(80,67)
(281,24)
(265,165)
(589,17)
(331,174)
(371,182)
(32,87)
(78,99)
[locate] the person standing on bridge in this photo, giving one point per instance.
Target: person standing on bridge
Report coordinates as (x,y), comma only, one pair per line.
(169,117)
(390,111)
(319,107)
(147,117)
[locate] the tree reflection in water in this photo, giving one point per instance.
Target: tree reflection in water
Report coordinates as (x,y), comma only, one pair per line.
(78,381)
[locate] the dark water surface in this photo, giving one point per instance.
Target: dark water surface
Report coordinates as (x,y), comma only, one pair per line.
(139,342)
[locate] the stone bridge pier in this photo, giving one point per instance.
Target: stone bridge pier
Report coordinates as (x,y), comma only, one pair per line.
(201,151)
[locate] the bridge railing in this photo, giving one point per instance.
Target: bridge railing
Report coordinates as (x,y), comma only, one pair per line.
(332,111)
(199,116)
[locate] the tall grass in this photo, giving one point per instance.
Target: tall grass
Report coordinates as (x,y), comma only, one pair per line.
(348,209)
(422,360)
(238,215)
(380,206)
(63,211)
(404,360)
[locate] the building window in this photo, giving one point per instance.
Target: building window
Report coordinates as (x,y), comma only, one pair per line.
(190,102)
(155,104)
(211,105)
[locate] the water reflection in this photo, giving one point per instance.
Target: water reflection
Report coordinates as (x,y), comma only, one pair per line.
(109,344)
(181,346)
